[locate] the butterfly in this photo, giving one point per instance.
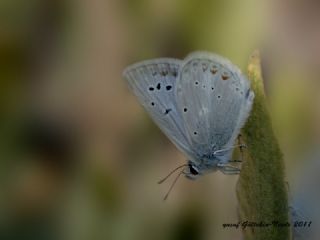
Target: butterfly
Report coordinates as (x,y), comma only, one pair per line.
(200,103)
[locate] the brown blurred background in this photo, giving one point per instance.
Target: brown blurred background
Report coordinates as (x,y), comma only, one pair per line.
(79,156)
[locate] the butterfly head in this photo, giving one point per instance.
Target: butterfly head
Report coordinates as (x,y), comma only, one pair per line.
(192,171)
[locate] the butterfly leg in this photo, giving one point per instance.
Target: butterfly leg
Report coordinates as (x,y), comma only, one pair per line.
(235,161)
(241,147)
(228,169)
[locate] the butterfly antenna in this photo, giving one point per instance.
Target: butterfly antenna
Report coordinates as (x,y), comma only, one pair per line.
(172,185)
(173,171)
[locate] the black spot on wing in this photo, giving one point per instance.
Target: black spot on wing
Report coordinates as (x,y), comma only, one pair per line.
(167,111)
(164,73)
(174,73)
(214,69)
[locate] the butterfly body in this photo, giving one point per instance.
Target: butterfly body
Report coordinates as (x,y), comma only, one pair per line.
(200,103)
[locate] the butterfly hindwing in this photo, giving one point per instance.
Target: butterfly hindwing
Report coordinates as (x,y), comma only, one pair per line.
(154,82)
(215,99)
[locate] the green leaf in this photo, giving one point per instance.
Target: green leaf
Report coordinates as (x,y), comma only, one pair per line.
(261,188)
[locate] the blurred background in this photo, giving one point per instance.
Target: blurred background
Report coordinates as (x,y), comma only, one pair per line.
(80,158)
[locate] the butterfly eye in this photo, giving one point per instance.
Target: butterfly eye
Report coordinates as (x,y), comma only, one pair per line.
(168,87)
(193,170)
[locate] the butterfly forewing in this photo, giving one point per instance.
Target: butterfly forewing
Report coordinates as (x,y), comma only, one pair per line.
(154,82)
(213,96)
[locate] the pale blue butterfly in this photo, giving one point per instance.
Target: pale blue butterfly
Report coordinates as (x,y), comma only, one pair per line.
(200,103)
